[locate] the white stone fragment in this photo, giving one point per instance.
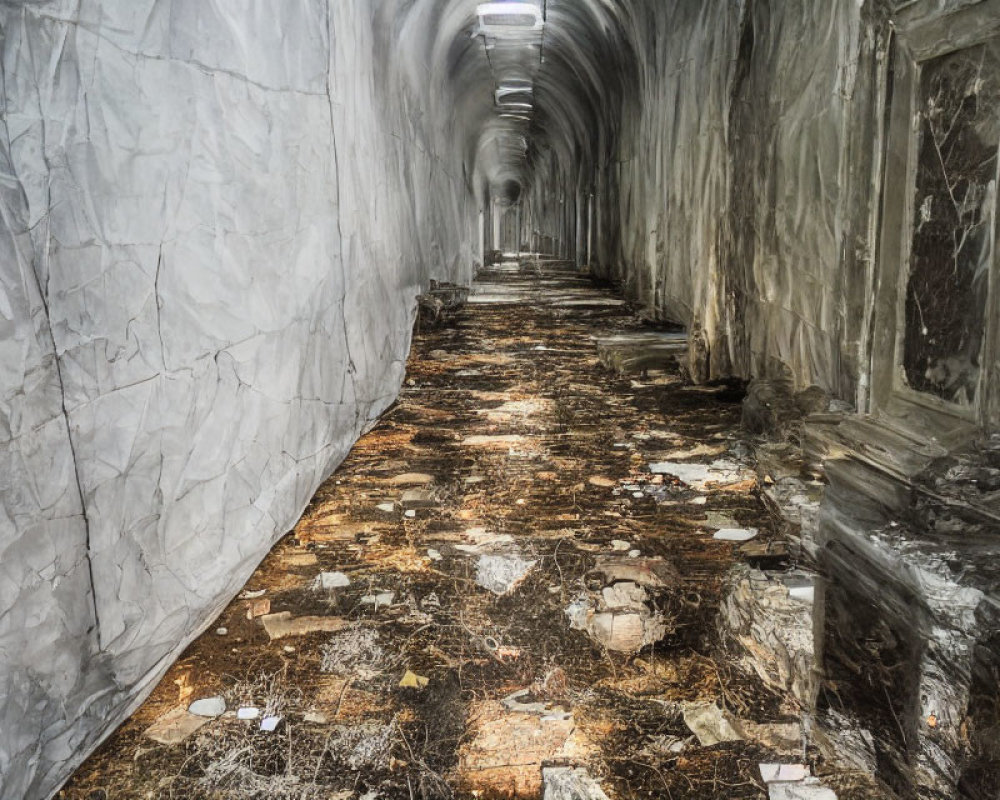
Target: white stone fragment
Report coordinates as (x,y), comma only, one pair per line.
(208,707)
(270,723)
(735,534)
(331,580)
(379,600)
(770,773)
(809,789)
(248,712)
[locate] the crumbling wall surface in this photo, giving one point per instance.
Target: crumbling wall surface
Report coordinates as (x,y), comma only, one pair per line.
(214,220)
(745,182)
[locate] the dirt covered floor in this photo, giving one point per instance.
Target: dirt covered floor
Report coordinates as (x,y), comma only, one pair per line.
(493,584)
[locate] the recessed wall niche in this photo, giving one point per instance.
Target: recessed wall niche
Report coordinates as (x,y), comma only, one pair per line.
(951,252)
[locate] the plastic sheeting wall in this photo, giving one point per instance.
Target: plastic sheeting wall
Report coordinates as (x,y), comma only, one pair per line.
(214,221)
(741,197)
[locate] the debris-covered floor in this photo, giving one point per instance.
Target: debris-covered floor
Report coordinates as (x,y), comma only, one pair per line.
(505,589)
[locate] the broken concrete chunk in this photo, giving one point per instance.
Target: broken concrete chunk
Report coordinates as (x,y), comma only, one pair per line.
(620,546)
(625,631)
(624,594)
(418,498)
(175,726)
(502,574)
(710,723)
(716,520)
(777,631)
(721,474)
(258,608)
(283,624)
(434,555)
(208,707)
(569,783)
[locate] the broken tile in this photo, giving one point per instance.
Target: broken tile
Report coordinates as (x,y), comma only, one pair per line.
(283,624)
(175,726)
(505,751)
(710,723)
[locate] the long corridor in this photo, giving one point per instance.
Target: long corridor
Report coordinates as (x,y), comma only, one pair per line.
(506,589)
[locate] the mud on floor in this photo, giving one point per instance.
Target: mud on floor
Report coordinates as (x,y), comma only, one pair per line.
(512,460)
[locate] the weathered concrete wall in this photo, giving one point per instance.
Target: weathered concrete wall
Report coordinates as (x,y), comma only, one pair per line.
(215,219)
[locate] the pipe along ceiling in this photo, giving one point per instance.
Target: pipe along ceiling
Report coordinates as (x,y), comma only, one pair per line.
(530,79)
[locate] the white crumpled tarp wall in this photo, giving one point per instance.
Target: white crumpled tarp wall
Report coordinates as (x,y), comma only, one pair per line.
(739,200)
(215,219)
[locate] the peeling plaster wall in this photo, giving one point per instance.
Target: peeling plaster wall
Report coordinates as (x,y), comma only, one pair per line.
(741,196)
(215,220)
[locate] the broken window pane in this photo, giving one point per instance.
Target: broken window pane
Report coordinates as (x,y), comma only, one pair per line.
(952,245)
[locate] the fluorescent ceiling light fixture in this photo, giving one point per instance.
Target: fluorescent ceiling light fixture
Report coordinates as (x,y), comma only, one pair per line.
(507,20)
(506,91)
(511,104)
(510,15)
(522,117)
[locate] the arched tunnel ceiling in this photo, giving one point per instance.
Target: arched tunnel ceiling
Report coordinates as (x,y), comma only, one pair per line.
(527,88)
